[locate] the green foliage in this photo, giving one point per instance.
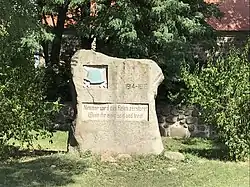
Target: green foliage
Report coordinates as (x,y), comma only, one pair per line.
(222,91)
(165,31)
(23,108)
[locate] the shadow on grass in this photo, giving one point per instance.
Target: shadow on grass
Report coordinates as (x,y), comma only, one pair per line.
(13,152)
(209,149)
(211,154)
(56,170)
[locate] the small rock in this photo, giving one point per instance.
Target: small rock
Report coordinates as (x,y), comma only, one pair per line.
(191,120)
(175,112)
(181,116)
(171,119)
(175,156)
(124,157)
(188,112)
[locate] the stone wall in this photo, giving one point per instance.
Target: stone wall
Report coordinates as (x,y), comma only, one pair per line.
(181,121)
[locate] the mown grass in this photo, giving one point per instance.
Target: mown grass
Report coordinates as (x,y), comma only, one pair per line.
(199,169)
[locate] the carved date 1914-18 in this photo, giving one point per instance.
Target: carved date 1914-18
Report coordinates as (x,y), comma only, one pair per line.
(139,86)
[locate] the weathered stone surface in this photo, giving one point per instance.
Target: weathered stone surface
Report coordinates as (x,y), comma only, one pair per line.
(116,104)
(163,131)
(191,120)
(201,127)
(160,118)
(188,117)
(181,116)
(166,110)
(201,134)
(179,131)
(171,119)
(188,112)
(183,121)
(167,124)
(192,128)
(175,156)
(174,111)
(181,112)
(195,112)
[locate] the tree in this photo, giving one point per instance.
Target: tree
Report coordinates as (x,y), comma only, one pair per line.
(23,108)
(165,31)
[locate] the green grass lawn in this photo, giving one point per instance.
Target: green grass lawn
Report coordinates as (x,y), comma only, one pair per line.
(203,167)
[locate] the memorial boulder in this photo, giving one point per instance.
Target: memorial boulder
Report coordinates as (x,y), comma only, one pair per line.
(115,104)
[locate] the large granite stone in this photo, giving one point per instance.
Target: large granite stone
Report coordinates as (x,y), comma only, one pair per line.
(115,104)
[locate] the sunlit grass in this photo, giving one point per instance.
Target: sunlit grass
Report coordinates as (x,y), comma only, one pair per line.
(197,170)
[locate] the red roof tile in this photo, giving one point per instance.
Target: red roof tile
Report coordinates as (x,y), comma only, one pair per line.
(236,15)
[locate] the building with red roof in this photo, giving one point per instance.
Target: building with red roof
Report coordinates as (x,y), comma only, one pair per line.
(236,15)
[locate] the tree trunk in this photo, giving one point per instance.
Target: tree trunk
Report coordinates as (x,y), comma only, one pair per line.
(58,31)
(45,46)
(85,12)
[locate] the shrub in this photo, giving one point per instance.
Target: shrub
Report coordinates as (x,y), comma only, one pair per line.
(25,114)
(222,90)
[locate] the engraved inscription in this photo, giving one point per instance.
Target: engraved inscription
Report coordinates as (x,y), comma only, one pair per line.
(119,112)
(139,86)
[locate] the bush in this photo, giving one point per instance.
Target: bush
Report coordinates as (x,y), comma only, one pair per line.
(25,114)
(222,90)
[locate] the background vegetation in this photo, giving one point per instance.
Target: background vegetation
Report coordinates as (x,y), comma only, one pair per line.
(222,91)
(174,33)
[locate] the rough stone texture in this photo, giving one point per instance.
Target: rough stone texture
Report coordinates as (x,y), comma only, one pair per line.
(179,131)
(115,104)
(175,111)
(171,119)
(175,156)
(181,116)
(181,121)
(191,120)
